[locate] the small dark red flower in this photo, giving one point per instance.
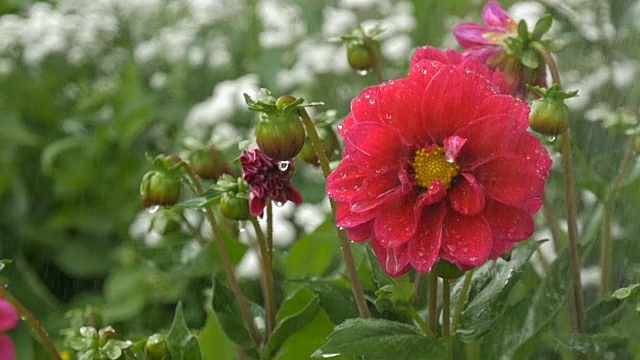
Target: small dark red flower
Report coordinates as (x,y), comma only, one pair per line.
(268,178)
(487,42)
(438,165)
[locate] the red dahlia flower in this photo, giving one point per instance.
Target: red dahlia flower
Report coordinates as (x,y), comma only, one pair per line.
(8,320)
(438,165)
(489,44)
(268,178)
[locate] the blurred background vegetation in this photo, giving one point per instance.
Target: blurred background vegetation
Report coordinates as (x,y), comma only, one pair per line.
(87,88)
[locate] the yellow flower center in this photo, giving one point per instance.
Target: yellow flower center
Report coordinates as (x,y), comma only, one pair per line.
(429,165)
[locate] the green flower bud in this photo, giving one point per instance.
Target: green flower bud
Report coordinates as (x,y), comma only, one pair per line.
(160,188)
(234,207)
(281,135)
(208,163)
(446,270)
(549,116)
(358,56)
(329,142)
(156,347)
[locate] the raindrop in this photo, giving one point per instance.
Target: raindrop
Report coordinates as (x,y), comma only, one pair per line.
(283,165)
(242,226)
(278,203)
(153,209)
(388,116)
(551,138)
(362,72)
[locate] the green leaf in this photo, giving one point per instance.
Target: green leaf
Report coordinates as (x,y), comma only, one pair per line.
(382,340)
(295,313)
(542,26)
(525,319)
(523,32)
(380,277)
(482,310)
(530,59)
(312,255)
(304,342)
(626,292)
(604,314)
(182,344)
(593,346)
(214,343)
(335,299)
(228,312)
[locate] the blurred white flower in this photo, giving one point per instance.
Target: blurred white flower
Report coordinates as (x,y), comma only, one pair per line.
(249,265)
(281,22)
(337,21)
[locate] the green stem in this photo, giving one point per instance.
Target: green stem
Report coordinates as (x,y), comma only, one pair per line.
(416,317)
(345,244)
(194,232)
(267,278)
(572,213)
(550,219)
(226,261)
(462,299)
(373,53)
(433,303)
(43,337)
(606,251)
(446,310)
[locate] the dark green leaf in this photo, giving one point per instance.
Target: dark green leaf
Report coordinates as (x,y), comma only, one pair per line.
(304,342)
(295,313)
(335,299)
(482,310)
(228,313)
(523,32)
(524,320)
(312,255)
(593,346)
(542,26)
(378,339)
(182,344)
(604,314)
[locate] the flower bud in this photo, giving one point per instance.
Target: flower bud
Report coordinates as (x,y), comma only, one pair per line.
(549,116)
(359,57)
(208,163)
(160,188)
(168,221)
(234,207)
(329,142)
(156,347)
(281,135)
(446,270)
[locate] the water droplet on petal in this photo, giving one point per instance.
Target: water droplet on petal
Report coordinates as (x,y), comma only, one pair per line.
(242,226)
(152,209)
(283,165)
(362,72)
(551,138)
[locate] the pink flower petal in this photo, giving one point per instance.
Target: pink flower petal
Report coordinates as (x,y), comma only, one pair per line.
(374,146)
(401,223)
(452,147)
(394,261)
(466,240)
(7,349)
(470,35)
(425,245)
(488,137)
(447,103)
(466,196)
(510,180)
(493,15)
(9,316)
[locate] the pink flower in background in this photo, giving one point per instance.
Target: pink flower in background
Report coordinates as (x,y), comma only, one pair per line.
(438,165)
(487,42)
(9,318)
(268,178)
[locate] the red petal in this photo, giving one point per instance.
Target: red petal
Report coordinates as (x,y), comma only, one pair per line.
(256,204)
(429,53)
(435,193)
(347,219)
(532,151)
(364,107)
(508,222)
(422,72)
(505,104)
(400,107)
(361,232)
(375,190)
(7,349)
(500,247)
(466,240)
(466,196)
(347,123)
(394,262)
(488,137)
(397,222)
(345,181)
(374,146)
(425,244)
(510,180)
(452,100)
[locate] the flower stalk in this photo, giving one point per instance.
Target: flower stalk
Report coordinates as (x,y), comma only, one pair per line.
(446,310)
(267,276)
(345,245)
(41,333)
(224,256)
(433,303)
(375,57)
